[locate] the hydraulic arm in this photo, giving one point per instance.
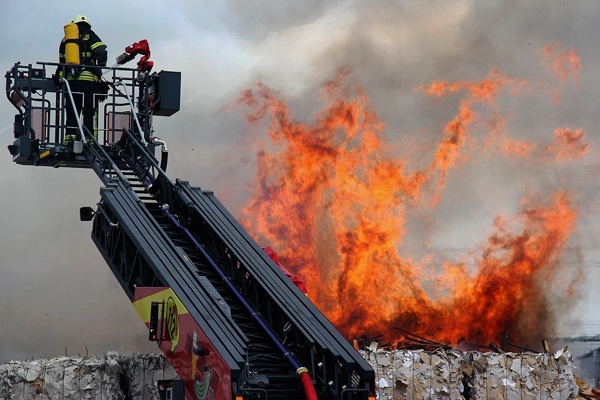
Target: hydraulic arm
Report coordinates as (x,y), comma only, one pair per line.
(232,324)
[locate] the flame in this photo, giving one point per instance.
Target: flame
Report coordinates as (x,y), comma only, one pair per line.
(448,154)
(333,200)
(568,144)
(562,63)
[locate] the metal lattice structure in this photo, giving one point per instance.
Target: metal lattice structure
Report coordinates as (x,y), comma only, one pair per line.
(157,233)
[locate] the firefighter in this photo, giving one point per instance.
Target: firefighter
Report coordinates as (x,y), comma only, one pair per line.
(85,74)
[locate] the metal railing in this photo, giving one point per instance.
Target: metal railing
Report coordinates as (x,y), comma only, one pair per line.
(41,101)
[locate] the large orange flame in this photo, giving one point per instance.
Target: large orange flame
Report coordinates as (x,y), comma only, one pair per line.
(332,198)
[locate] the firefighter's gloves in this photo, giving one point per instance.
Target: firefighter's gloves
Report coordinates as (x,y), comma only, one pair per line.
(56,80)
(102,88)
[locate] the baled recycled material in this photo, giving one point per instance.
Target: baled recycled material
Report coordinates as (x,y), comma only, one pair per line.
(98,377)
(453,374)
(417,374)
(400,375)
(522,376)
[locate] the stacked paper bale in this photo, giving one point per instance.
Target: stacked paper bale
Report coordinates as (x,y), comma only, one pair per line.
(62,377)
(452,374)
(143,372)
(417,374)
(400,374)
(522,376)
(109,377)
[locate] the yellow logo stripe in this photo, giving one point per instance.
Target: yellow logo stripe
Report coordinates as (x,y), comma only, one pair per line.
(142,306)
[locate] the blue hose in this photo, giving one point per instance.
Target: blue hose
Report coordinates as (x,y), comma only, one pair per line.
(255,315)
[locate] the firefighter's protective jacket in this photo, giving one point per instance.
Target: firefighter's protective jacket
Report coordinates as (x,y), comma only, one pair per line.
(92,53)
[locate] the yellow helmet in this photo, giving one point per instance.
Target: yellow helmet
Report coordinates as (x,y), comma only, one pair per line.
(81,18)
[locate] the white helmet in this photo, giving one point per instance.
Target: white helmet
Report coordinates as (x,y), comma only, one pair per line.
(81,18)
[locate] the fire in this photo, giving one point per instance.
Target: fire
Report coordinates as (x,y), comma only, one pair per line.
(333,199)
(561,62)
(568,144)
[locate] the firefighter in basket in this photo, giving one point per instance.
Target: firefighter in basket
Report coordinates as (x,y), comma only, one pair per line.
(82,48)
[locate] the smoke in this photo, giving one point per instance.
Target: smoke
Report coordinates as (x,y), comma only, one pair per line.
(394,49)
(5,130)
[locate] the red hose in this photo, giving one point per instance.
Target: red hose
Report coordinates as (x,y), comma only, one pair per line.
(309,389)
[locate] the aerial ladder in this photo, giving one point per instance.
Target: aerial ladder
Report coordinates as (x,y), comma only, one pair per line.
(230,321)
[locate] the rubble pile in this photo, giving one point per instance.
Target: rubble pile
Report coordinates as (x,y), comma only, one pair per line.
(108,377)
(453,374)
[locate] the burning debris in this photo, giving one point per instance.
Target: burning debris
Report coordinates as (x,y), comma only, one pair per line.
(337,199)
